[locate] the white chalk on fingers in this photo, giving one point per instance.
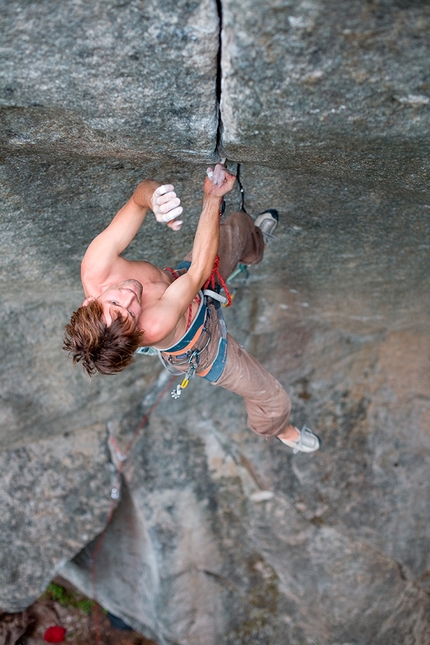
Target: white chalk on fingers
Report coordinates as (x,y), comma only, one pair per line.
(169,204)
(162,200)
(167,217)
(162,190)
(218,177)
(219,169)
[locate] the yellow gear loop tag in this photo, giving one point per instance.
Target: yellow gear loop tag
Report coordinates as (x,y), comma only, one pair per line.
(189,375)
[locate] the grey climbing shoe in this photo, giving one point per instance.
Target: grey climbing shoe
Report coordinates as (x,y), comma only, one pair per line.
(267,222)
(307,441)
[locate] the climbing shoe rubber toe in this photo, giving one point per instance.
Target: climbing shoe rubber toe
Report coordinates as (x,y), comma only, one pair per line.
(267,222)
(307,441)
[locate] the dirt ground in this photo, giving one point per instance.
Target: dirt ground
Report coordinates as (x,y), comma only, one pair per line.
(62,605)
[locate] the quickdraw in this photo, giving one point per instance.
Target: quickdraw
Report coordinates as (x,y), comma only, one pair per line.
(176,393)
(193,360)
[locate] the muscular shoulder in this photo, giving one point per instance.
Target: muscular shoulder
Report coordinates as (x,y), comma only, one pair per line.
(95,281)
(161,326)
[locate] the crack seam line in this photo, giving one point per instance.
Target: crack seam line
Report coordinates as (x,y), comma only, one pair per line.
(219,150)
(218,89)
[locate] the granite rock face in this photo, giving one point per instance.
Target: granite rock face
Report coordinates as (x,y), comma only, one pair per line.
(333,89)
(223,537)
(219,536)
(111,77)
(52,502)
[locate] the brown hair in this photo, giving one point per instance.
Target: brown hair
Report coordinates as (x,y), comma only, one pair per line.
(100,348)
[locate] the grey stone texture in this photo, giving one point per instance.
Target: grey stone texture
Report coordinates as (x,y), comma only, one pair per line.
(223,537)
(220,537)
(45,517)
(109,77)
(340,89)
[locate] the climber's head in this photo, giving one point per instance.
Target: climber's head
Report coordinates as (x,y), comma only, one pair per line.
(123,298)
(103,333)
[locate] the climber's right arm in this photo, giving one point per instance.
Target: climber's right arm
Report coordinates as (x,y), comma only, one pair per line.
(105,249)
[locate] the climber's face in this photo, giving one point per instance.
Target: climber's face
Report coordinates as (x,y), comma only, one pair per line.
(123,298)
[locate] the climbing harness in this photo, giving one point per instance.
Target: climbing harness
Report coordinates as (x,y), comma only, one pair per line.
(187,355)
(188,349)
(190,354)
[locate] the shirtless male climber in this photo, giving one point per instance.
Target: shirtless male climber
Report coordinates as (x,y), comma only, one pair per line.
(130,304)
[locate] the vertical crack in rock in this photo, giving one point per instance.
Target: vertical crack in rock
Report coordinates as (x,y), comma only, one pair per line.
(218,147)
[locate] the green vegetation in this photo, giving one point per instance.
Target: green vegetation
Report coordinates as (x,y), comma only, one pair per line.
(69,598)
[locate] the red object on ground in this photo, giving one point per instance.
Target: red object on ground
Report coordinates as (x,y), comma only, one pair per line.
(54,634)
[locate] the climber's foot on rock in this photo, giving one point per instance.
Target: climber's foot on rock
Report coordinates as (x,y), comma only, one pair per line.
(303,440)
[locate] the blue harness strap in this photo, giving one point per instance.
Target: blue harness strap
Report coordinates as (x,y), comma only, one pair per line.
(199,320)
(203,313)
(184,264)
(219,363)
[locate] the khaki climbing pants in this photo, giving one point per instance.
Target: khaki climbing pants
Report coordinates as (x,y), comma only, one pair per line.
(267,403)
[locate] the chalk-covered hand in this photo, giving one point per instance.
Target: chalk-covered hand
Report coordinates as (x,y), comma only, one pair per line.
(166,206)
(219,181)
